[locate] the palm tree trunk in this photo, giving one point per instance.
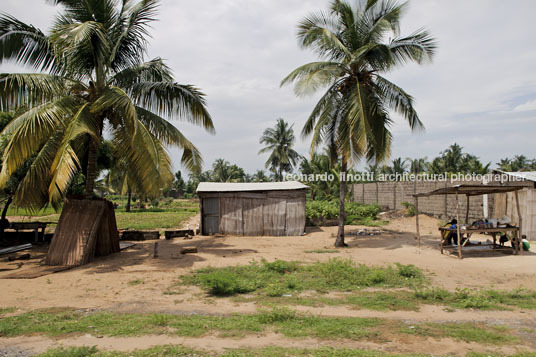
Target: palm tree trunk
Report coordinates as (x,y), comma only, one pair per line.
(339,242)
(91,173)
(129,198)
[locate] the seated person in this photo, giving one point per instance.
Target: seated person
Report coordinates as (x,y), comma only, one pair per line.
(452,236)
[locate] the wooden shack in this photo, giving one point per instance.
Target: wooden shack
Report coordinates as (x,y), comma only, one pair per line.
(252,209)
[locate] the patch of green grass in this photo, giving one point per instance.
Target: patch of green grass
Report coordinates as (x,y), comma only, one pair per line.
(285,321)
(157,351)
(321,251)
(317,352)
(367,221)
(383,301)
(479,299)
(380,301)
(469,332)
(177,350)
(7,310)
(519,354)
(168,214)
(14,211)
(282,320)
(135,282)
(146,219)
(280,277)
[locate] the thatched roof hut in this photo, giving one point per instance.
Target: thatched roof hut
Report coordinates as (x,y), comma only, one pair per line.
(253,209)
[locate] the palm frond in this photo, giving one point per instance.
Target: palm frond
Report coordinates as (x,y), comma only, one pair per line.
(152,71)
(118,106)
(168,134)
(29,89)
(30,130)
(174,100)
(313,76)
(320,33)
(129,40)
(24,44)
(417,47)
(398,100)
(84,47)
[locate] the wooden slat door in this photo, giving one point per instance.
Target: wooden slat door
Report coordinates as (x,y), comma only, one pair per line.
(211,215)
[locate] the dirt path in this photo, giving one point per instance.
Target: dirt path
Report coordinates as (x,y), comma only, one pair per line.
(406,344)
(108,282)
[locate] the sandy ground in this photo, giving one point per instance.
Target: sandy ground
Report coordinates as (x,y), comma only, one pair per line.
(104,284)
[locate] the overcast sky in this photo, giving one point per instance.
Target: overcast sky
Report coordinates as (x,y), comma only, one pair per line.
(480,91)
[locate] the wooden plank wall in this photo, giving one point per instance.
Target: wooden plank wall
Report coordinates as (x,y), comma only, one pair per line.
(272,213)
(505,204)
(231,216)
(295,216)
(252,217)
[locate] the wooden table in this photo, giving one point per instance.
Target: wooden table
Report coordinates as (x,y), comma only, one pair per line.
(35,226)
(490,231)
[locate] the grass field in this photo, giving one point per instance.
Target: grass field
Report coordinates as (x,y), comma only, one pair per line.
(168,214)
(280,320)
(403,287)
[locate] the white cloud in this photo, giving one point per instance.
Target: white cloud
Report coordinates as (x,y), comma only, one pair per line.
(237,52)
(528,106)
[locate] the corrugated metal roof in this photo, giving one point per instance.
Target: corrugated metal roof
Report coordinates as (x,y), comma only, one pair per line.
(249,186)
(526,175)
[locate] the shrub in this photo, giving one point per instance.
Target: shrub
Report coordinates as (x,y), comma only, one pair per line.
(275,290)
(224,283)
(377,277)
(320,212)
(280,277)
(280,266)
(408,271)
(410,208)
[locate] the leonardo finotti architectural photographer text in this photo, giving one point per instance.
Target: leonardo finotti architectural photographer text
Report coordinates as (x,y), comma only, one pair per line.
(370,177)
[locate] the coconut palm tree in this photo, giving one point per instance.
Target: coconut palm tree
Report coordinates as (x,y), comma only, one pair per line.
(279,143)
(399,166)
(223,171)
(418,165)
(259,176)
(94,81)
(356,45)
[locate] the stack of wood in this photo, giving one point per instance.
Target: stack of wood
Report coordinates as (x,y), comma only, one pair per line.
(86,229)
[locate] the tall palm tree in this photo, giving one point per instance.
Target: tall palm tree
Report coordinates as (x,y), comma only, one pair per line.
(354,112)
(223,171)
(94,80)
(418,165)
(260,176)
(279,143)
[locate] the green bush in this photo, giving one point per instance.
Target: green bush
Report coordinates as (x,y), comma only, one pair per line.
(280,266)
(410,208)
(319,212)
(222,283)
(408,271)
(282,277)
